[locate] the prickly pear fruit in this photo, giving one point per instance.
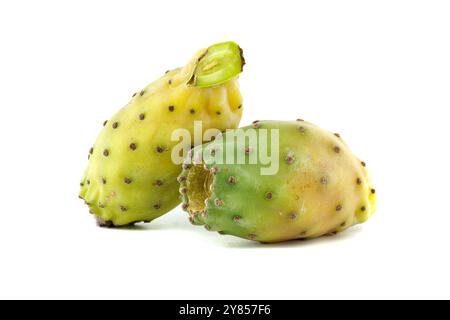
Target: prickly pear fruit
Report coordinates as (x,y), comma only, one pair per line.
(320,186)
(130,177)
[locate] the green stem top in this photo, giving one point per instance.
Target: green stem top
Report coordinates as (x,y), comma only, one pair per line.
(217,64)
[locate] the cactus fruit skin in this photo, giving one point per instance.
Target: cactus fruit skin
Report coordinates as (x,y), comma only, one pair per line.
(131,177)
(321,187)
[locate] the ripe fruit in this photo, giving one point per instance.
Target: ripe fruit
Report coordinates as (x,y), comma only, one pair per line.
(320,186)
(131,176)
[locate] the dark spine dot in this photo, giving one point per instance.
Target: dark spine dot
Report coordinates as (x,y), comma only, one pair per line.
(184,206)
(103,181)
(337,135)
(207,227)
(88,181)
(214,170)
(358,181)
(159,149)
(158,183)
(372,191)
(232,180)
(141,116)
(192,111)
(218,202)
(157,206)
(212,152)
(142,93)
(218,113)
(171,108)
(337,149)
(290,158)
(252,236)
(338,207)
(248,150)
(104,223)
(127,180)
(240,106)
(91,150)
(303,233)
(324,180)
(133,146)
(363,163)
(134,95)
(101,205)
(170,82)
(106,152)
(180,179)
(104,123)
(301,129)
(300,120)
(292,216)
(183,190)
(115,125)
(269,195)
(343,224)
(123,208)
(81,184)
(237,218)
(363,208)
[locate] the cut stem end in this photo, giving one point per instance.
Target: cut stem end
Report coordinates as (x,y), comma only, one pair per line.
(220,62)
(199,181)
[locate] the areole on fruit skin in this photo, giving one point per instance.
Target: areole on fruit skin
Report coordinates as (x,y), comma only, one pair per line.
(130,177)
(321,187)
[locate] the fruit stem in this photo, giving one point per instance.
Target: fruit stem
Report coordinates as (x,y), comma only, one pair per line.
(219,63)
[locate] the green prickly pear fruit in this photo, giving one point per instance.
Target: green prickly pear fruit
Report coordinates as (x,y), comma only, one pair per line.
(320,187)
(130,177)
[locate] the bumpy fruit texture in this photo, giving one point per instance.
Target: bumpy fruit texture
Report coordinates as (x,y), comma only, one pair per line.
(131,177)
(320,188)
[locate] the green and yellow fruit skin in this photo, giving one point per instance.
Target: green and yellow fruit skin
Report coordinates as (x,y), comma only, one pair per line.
(131,177)
(320,188)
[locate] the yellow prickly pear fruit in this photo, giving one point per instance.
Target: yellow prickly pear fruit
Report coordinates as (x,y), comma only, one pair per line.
(131,176)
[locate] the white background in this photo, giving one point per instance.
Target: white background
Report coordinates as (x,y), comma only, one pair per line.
(378,72)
